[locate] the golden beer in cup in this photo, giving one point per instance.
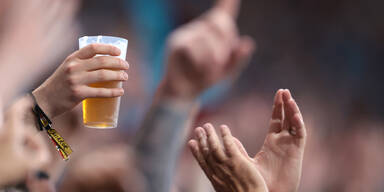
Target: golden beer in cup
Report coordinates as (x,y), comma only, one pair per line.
(103,112)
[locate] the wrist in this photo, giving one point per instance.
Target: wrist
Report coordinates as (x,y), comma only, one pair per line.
(44,102)
(165,96)
(176,90)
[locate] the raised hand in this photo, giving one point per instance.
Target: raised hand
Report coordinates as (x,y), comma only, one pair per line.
(70,83)
(22,149)
(226,165)
(205,51)
(277,167)
(280,158)
(34,34)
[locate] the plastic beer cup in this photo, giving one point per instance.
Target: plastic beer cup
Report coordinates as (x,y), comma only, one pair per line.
(103,112)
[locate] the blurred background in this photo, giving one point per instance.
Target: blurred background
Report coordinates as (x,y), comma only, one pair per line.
(329,53)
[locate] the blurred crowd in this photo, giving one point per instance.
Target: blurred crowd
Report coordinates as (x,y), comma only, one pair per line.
(328,53)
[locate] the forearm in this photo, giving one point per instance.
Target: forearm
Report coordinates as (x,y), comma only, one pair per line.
(161,138)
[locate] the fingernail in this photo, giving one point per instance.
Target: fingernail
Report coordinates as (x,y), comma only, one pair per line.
(121,91)
(223,127)
(126,64)
(125,76)
(207,125)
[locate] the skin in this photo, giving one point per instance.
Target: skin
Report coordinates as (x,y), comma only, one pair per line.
(205,51)
(35,184)
(91,173)
(30,30)
(224,55)
(69,84)
(200,54)
(21,147)
(277,167)
(34,34)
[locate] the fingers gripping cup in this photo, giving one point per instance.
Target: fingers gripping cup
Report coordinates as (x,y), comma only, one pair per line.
(103,112)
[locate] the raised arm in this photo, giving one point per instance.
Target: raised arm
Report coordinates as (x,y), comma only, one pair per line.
(200,54)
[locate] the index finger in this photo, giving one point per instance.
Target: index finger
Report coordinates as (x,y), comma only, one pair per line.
(91,50)
(229,6)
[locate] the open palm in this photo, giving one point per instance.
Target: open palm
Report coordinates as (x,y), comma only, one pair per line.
(280,159)
(277,167)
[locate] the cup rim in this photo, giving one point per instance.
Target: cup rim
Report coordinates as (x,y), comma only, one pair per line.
(96,36)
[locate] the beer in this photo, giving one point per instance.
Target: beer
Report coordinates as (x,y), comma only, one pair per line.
(101,112)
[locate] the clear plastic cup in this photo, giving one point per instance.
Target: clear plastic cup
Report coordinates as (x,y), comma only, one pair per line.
(103,113)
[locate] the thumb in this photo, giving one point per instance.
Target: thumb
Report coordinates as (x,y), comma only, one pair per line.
(231,7)
(240,56)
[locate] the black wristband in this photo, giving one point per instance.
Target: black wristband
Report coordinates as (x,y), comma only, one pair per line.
(43,120)
(45,124)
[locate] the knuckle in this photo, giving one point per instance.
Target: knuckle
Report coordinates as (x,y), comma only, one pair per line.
(121,63)
(104,93)
(102,74)
(205,151)
(115,93)
(215,149)
(71,80)
(102,60)
(231,164)
(99,92)
(76,92)
(114,62)
(70,67)
(93,47)
(201,162)
(113,49)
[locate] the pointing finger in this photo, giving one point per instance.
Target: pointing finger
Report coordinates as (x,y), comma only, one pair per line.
(231,7)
